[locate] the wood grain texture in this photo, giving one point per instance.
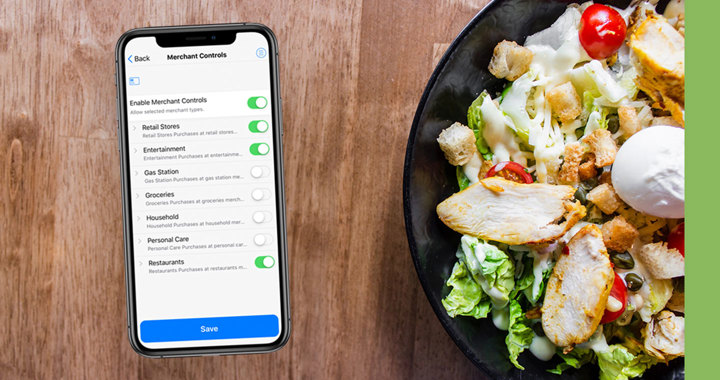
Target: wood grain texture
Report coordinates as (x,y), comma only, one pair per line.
(351,76)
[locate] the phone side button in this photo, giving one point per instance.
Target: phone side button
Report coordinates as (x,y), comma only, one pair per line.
(117,132)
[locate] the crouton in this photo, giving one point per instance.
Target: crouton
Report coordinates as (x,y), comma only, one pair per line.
(660,52)
(564,102)
(665,120)
(587,169)
(629,120)
(618,234)
(605,198)
(510,60)
(572,157)
(662,262)
(458,144)
(603,146)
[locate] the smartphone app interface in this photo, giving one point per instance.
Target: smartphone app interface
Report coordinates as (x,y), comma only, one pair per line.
(202,188)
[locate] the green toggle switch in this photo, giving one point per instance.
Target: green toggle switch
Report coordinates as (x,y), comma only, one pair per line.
(258,126)
(257,102)
(264,262)
(259,149)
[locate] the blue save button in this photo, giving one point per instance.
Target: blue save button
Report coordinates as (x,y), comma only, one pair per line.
(174,330)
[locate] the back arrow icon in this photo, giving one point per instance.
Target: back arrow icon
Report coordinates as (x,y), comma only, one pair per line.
(129,58)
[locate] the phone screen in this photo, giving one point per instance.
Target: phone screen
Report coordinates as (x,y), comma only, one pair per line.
(203,202)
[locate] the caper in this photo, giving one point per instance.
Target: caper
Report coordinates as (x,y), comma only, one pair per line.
(581,195)
(634,282)
(579,133)
(589,183)
(538,329)
(622,260)
(613,123)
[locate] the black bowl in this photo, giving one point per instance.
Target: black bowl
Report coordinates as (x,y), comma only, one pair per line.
(428,179)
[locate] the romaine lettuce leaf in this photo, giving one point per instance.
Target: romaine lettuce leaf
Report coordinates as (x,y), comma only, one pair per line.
(524,276)
(520,334)
(466,297)
(627,82)
(618,363)
(574,359)
(476,123)
(588,106)
(514,104)
(490,267)
(596,120)
(593,76)
(463,180)
(542,269)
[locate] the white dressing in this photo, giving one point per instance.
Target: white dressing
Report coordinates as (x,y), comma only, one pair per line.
(553,67)
(501,318)
(541,263)
(597,342)
(515,102)
(472,256)
(542,348)
(495,133)
(495,294)
(472,168)
(613,304)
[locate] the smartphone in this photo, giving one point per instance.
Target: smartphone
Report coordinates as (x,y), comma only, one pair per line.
(200,141)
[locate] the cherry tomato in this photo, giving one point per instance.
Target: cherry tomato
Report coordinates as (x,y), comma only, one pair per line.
(676,238)
(619,292)
(602,31)
(511,171)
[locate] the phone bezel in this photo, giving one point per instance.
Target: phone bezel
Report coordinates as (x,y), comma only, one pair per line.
(176,33)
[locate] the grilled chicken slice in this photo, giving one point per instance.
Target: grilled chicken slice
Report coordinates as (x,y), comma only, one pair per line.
(513,213)
(660,53)
(578,289)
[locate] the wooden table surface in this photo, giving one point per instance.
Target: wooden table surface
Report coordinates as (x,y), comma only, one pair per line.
(351,76)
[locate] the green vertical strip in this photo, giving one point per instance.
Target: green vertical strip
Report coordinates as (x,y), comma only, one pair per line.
(702,211)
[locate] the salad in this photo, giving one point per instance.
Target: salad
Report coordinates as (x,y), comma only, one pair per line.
(571,192)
